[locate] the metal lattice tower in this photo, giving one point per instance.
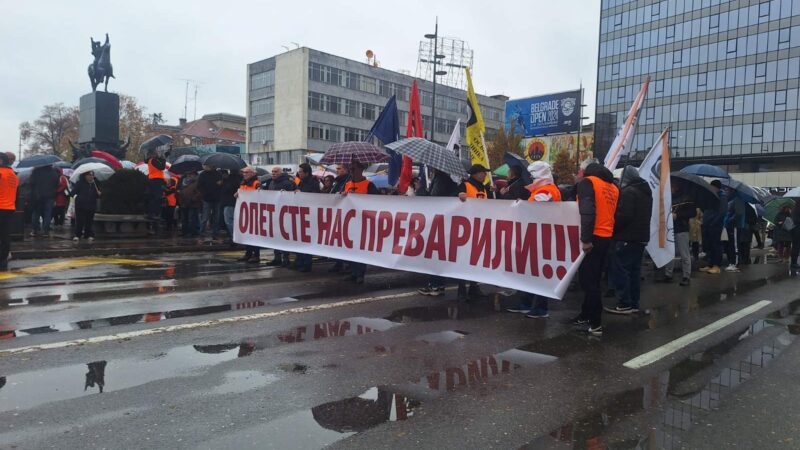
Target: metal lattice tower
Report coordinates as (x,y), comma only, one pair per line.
(457,56)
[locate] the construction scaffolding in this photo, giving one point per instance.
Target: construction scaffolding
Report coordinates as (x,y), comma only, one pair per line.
(454,56)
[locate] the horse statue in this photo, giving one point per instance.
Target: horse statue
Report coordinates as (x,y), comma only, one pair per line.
(100,70)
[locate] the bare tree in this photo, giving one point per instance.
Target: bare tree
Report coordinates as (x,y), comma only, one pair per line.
(50,132)
(134,124)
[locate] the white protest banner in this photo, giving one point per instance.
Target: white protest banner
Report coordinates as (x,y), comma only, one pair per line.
(529,246)
(656,169)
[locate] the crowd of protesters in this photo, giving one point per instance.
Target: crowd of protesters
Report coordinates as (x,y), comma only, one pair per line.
(615,220)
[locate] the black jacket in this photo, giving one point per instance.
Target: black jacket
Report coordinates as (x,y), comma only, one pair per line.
(44,182)
(713,218)
(586,204)
(443,186)
(283,183)
(207,185)
(517,191)
(230,186)
(338,183)
(634,207)
(85,195)
(683,209)
(310,185)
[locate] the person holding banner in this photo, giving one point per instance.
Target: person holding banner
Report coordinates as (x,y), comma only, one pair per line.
(474,187)
(308,184)
(516,189)
(358,185)
(442,185)
(597,204)
(280,181)
(250,182)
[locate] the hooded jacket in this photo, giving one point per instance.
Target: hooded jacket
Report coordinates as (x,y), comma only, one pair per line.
(282,183)
(586,203)
(635,205)
(44,183)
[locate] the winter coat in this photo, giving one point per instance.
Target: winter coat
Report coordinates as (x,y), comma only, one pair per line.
(61,194)
(634,207)
(44,183)
(208,185)
(339,183)
(713,217)
(780,234)
(443,186)
(585,194)
(86,195)
(683,209)
(283,183)
(230,186)
(310,185)
(516,190)
(189,196)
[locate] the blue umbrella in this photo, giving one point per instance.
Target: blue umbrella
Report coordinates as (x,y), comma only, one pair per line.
(705,170)
(744,191)
(380,181)
(39,161)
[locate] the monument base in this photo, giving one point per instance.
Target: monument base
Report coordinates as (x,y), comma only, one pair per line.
(99,124)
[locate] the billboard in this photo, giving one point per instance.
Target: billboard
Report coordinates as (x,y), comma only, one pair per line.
(545,148)
(545,114)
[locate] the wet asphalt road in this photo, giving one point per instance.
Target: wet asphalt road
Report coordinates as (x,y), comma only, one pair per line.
(202,352)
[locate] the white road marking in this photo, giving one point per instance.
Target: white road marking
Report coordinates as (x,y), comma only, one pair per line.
(672,347)
(205,323)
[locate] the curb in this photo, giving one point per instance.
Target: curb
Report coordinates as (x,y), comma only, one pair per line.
(81,252)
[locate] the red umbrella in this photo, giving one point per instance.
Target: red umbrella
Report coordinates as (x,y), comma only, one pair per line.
(112,161)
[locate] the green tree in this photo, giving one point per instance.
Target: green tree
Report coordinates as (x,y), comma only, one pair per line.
(501,143)
(134,124)
(563,167)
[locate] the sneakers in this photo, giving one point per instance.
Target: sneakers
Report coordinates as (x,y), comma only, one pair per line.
(431,291)
(521,308)
(714,270)
(732,268)
(685,282)
(619,309)
(76,239)
(596,331)
(538,313)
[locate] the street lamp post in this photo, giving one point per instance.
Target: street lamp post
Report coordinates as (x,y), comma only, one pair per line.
(436,58)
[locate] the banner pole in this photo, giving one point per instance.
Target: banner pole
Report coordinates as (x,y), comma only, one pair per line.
(486,155)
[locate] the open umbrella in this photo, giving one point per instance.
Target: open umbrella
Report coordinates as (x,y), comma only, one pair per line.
(380,181)
(112,160)
(513,159)
(63,165)
(38,161)
(260,171)
(705,170)
(90,159)
(502,171)
(773,207)
(128,164)
(176,153)
(794,193)
(747,193)
(354,151)
(698,189)
(186,164)
(321,173)
(433,155)
(153,143)
(101,171)
(223,161)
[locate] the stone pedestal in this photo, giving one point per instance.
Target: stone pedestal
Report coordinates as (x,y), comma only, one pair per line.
(99,122)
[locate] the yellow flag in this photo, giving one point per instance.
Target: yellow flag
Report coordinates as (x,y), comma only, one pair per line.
(475,128)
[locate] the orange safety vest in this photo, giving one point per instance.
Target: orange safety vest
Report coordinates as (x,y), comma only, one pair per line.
(171,199)
(297,181)
(360,187)
(551,189)
(152,171)
(251,185)
(8,189)
(473,192)
(605,203)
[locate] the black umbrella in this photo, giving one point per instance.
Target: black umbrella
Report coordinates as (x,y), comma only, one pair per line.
(223,161)
(186,164)
(63,165)
(154,142)
(515,160)
(90,159)
(697,189)
(39,161)
(176,153)
(261,171)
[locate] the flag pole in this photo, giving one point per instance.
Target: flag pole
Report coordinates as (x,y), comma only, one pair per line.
(486,155)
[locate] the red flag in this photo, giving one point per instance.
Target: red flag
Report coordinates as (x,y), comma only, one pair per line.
(414,130)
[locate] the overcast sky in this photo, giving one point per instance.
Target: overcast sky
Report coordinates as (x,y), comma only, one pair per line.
(521,48)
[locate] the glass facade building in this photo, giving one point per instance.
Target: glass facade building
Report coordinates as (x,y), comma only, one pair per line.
(724,77)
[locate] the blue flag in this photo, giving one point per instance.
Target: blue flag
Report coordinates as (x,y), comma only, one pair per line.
(387,130)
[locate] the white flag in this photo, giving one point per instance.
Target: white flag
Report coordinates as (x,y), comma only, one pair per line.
(454,145)
(622,143)
(655,169)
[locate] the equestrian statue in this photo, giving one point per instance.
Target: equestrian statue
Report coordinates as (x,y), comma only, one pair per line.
(100,70)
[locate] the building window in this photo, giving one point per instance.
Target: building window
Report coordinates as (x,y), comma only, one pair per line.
(618,20)
(368,111)
(262,80)
(632,41)
(655,10)
(758,129)
(702,78)
(708,134)
(262,106)
(659,86)
(671,32)
(355,134)
(763,9)
(615,69)
(728,104)
(368,84)
(714,21)
(761,70)
(784,36)
(262,135)
(731,46)
(780,97)
(324,132)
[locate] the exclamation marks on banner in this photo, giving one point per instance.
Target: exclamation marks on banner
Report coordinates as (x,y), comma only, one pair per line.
(561,235)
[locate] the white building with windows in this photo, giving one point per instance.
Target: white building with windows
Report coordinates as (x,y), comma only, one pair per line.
(305,100)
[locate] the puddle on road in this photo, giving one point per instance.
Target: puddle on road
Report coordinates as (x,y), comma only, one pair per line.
(679,397)
(29,389)
(442,312)
(241,381)
(143,318)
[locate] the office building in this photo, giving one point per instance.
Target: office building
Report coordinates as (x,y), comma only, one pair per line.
(724,77)
(305,100)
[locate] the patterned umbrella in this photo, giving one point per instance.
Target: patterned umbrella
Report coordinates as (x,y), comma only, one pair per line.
(348,152)
(426,152)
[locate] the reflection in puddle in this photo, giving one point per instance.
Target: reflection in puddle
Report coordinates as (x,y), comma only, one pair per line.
(436,313)
(678,401)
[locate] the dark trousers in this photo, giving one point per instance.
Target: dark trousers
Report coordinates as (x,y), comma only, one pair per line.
(155,196)
(591,274)
(168,214)
(795,244)
(280,257)
(303,261)
(626,267)
(436,281)
(744,237)
(730,246)
(59,215)
(42,210)
(5,236)
(251,251)
(358,270)
(190,221)
(712,244)
(84,223)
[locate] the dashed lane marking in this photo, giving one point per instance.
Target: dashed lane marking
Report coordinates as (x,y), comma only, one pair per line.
(672,347)
(205,323)
(72,264)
